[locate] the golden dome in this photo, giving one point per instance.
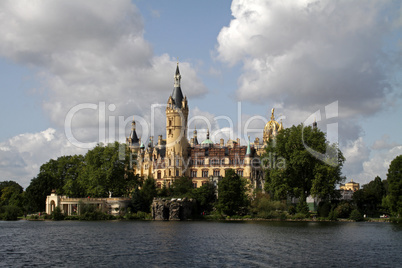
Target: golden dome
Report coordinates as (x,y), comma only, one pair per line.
(271,128)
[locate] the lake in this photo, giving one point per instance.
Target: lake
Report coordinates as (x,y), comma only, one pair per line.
(200,244)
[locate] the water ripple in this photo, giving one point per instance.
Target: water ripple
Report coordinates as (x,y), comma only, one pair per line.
(199,244)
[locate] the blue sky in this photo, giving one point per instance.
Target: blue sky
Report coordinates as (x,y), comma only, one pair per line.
(296,56)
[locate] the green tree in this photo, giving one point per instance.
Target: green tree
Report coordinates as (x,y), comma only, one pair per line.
(394,178)
(10,212)
(11,193)
(37,191)
(52,176)
(299,162)
(356,215)
(344,209)
(137,201)
(263,207)
(164,191)
(182,187)
(368,199)
(148,193)
(71,168)
(232,193)
(205,197)
(104,171)
(57,215)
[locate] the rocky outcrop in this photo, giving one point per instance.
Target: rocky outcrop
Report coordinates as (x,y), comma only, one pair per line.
(175,209)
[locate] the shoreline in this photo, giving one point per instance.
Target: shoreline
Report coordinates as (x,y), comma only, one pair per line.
(381,220)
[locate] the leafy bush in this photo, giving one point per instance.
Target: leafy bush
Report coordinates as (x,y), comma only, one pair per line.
(300,216)
(323,209)
(89,212)
(71,218)
(10,213)
(292,210)
(355,215)
(333,215)
(57,215)
(283,216)
(138,216)
(344,209)
(263,207)
(215,215)
(396,219)
(302,206)
(34,217)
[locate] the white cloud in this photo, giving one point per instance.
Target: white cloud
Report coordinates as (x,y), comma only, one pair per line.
(90,52)
(355,153)
(364,164)
(84,52)
(306,54)
(378,165)
(22,155)
(303,55)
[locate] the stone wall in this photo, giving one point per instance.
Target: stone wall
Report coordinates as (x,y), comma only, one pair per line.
(175,209)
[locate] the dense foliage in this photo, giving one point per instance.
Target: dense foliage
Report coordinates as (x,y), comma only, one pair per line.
(299,162)
(232,197)
(100,172)
(141,199)
(369,199)
(12,200)
(393,200)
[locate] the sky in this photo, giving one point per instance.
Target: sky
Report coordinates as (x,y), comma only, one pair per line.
(74,73)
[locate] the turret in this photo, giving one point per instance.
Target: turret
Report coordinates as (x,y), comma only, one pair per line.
(133,140)
(195,140)
(176,124)
(315,124)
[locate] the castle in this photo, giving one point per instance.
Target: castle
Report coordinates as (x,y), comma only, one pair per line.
(176,156)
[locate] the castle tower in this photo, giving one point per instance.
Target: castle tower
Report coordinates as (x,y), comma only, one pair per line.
(176,130)
(133,140)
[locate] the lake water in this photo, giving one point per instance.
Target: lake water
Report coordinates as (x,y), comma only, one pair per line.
(199,244)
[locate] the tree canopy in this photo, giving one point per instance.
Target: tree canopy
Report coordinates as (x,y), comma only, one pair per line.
(368,199)
(232,195)
(394,177)
(102,170)
(300,161)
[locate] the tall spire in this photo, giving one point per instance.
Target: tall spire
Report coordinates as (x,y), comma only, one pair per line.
(177,76)
(133,134)
(248,152)
(177,95)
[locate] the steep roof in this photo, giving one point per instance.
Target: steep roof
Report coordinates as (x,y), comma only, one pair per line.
(177,94)
(134,137)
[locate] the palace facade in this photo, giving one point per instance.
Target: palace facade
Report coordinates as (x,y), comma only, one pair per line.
(203,162)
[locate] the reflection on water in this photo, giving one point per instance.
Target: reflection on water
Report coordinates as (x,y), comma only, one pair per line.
(200,244)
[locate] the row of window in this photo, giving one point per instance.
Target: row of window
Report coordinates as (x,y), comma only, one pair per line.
(204,173)
(216,162)
(216,173)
